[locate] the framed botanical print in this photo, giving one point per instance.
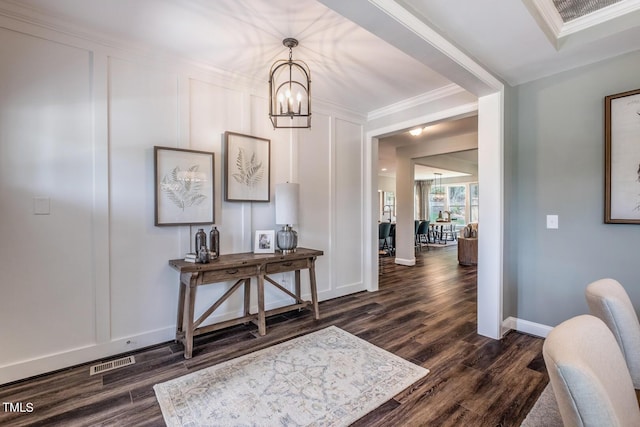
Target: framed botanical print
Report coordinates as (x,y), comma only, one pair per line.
(184,187)
(622,158)
(247,168)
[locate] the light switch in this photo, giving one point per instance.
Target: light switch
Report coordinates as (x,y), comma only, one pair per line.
(41,206)
(552,221)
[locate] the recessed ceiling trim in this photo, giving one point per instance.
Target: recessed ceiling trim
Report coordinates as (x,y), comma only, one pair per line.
(556,30)
(605,14)
(550,15)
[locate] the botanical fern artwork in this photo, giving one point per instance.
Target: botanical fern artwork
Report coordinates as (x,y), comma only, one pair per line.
(247,166)
(249,171)
(184,188)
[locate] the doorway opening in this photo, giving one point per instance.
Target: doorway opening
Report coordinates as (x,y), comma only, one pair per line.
(489,142)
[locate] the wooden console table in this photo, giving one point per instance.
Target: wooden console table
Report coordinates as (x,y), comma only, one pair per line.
(241,268)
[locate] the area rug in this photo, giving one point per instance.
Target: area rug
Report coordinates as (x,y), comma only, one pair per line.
(439,245)
(325,378)
(545,412)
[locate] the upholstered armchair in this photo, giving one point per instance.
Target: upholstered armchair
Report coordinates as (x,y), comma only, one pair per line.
(609,301)
(589,375)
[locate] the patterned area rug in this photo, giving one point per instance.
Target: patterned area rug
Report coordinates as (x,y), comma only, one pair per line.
(328,378)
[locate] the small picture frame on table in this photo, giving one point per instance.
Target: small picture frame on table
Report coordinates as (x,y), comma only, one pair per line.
(264,242)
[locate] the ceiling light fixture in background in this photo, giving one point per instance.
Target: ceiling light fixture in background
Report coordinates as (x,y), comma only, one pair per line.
(437,192)
(290,91)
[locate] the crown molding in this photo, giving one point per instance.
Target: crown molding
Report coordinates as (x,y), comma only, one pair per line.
(425,98)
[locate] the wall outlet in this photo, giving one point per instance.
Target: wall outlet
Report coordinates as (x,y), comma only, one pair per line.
(552,221)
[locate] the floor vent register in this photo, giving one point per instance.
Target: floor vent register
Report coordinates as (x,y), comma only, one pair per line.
(111,365)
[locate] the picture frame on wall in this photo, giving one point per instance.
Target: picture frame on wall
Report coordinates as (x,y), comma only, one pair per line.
(184,186)
(264,242)
(622,158)
(247,168)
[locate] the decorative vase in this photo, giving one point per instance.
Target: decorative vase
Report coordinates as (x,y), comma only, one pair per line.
(201,247)
(214,243)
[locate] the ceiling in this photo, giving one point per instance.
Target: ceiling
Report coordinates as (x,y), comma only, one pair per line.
(362,54)
(524,40)
(359,59)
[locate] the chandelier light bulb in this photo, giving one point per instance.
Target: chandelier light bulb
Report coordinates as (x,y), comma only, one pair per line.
(280,101)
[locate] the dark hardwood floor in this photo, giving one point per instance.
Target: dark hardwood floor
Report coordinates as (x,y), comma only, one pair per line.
(425,314)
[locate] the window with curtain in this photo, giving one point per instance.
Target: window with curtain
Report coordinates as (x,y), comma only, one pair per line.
(421,199)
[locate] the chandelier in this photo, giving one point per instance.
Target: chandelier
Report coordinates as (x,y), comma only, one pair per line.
(437,192)
(290,91)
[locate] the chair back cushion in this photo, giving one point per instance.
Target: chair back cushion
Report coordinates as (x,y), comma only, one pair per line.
(589,375)
(609,301)
(423,228)
(384,228)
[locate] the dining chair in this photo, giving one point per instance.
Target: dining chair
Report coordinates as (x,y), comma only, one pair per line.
(608,300)
(392,239)
(423,234)
(589,375)
(384,230)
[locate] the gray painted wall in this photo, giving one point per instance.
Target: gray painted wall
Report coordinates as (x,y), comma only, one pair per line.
(558,168)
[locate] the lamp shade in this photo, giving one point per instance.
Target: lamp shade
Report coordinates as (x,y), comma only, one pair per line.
(287,203)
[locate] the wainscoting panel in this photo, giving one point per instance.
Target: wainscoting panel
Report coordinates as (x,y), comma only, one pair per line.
(143,107)
(314,164)
(78,122)
(46,197)
(349,206)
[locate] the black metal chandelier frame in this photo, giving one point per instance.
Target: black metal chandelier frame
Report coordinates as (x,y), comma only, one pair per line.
(284,111)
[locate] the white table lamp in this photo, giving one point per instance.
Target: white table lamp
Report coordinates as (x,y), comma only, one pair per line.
(287,214)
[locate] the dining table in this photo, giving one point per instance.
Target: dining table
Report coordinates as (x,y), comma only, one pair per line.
(443,231)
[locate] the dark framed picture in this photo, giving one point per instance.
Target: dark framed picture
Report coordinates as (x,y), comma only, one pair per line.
(247,168)
(264,242)
(184,187)
(622,158)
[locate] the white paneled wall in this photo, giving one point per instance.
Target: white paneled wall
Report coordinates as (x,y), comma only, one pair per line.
(78,123)
(349,208)
(46,151)
(316,204)
(142,113)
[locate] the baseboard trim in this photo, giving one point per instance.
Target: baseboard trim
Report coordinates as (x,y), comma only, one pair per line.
(408,262)
(78,356)
(526,327)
